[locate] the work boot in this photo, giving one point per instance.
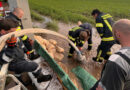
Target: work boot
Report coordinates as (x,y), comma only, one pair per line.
(40,77)
(33,56)
(95,59)
(69,56)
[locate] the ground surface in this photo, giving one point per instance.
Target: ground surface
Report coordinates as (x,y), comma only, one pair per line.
(90,66)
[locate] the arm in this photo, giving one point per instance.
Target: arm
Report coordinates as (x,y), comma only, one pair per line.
(99,26)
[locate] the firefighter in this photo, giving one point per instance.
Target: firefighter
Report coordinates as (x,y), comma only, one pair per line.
(104,24)
(14,54)
(16,15)
(78,35)
(116,73)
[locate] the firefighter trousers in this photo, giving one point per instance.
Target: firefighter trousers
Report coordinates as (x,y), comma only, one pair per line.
(103,51)
(22,66)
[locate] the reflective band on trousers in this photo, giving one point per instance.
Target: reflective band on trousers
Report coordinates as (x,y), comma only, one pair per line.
(108,39)
(24,37)
(109,53)
(71,38)
(99,25)
(70,54)
(99,54)
(90,44)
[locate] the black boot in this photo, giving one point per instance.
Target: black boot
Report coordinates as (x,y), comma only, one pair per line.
(42,78)
(33,56)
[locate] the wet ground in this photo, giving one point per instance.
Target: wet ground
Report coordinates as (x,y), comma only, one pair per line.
(92,67)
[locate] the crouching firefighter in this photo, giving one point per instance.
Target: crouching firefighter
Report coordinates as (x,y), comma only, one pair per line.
(104,24)
(14,54)
(79,35)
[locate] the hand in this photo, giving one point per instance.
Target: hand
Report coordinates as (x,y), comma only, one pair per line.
(31,41)
(11,42)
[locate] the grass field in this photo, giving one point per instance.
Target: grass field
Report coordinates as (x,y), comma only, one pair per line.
(74,10)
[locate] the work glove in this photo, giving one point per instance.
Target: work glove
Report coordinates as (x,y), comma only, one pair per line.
(11,42)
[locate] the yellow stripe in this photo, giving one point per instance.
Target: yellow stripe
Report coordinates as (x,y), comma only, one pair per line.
(18,28)
(24,37)
(106,16)
(70,54)
(75,28)
(101,34)
(109,53)
(83,42)
(109,26)
(101,58)
(1,14)
(99,25)
(31,51)
(108,39)
(71,38)
(75,43)
(99,54)
(90,44)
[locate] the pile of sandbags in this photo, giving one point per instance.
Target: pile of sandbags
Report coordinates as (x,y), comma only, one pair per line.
(52,48)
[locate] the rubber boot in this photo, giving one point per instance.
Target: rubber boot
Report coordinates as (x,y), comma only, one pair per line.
(33,56)
(40,77)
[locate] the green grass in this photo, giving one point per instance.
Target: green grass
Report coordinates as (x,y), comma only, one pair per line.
(52,26)
(36,17)
(74,10)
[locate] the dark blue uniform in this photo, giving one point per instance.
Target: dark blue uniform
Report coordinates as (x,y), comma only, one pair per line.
(74,37)
(104,24)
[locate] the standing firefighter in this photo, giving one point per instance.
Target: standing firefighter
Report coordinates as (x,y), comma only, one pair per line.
(116,73)
(14,54)
(78,35)
(16,15)
(104,24)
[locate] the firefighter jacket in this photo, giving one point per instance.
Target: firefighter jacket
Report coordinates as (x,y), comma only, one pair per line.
(74,36)
(13,54)
(89,28)
(104,24)
(14,17)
